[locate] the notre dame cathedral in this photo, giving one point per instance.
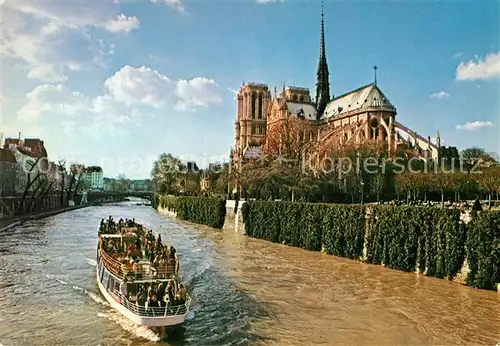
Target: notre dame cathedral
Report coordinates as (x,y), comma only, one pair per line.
(348,119)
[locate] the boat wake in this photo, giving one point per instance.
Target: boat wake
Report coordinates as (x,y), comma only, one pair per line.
(92,295)
(202,269)
(139,331)
(124,323)
(91,262)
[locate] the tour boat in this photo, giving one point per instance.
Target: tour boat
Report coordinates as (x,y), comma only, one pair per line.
(111,272)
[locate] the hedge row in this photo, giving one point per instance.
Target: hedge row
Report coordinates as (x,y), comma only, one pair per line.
(307,225)
(200,210)
(430,240)
(409,238)
(483,250)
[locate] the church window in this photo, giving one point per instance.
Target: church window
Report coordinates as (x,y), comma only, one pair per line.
(253,128)
(253,106)
(260,106)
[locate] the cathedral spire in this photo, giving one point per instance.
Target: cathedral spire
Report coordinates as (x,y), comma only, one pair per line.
(322,83)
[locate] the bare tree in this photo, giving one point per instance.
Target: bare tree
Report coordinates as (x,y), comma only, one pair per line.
(76,173)
(29,183)
(62,173)
(489,180)
(378,184)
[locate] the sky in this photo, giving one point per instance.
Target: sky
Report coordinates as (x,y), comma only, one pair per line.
(115,83)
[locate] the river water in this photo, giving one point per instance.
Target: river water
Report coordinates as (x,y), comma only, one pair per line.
(245,292)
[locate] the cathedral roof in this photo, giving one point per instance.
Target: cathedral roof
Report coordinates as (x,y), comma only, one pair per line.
(304,109)
(367,96)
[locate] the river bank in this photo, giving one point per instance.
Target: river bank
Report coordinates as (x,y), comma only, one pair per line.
(442,243)
(6,224)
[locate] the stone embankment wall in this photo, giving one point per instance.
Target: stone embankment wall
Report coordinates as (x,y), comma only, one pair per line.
(10,205)
(165,211)
(48,206)
(6,224)
(234,218)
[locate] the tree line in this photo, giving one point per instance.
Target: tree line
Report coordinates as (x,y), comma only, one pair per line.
(293,166)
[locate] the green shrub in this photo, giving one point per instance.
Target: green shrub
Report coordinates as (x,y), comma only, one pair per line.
(483,250)
(200,210)
(409,238)
(307,225)
(343,228)
(167,202)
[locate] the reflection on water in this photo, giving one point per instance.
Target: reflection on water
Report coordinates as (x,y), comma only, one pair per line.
(244,291)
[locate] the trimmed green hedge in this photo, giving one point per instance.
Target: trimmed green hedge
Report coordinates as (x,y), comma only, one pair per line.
(307,225)
(483,250)
(200,210)
(431,240)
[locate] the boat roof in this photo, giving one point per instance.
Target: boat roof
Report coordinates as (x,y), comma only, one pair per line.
(117,235)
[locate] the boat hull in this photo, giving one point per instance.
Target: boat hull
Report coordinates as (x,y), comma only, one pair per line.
(157,321)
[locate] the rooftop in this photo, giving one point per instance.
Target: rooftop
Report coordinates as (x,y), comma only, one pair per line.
(302,109)
(33,147)
(93,169)
(366,96)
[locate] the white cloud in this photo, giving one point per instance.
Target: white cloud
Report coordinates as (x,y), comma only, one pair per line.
(51,38)
(142,85)
(122,23)
(138,85)
(267,1)
(480,68)
(47,99)
(177,4)
(474,125)
(234,91)
(195,93)
(128,94)
(440,95)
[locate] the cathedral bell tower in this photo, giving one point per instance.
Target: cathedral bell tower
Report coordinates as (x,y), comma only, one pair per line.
(251,123)
(322,76)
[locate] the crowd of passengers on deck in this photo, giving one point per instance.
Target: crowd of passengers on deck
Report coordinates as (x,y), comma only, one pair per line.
(158,294)
(145,251)
(146,248)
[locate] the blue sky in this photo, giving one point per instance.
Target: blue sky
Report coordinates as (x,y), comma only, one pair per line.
(116,84)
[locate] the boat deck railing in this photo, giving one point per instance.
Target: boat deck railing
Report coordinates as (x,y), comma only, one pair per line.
(139,271)
(141,310)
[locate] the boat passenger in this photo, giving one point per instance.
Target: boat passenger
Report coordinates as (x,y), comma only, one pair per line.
(152,303)
(160,291)
(141,296)
(170,292)
(123,288)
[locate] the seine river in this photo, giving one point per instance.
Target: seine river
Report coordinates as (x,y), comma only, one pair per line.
(245,292)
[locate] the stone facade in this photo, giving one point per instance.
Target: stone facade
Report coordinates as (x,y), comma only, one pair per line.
(351,119)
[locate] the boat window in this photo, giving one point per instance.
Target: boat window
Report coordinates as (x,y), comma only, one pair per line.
(101,271)
(105,279)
